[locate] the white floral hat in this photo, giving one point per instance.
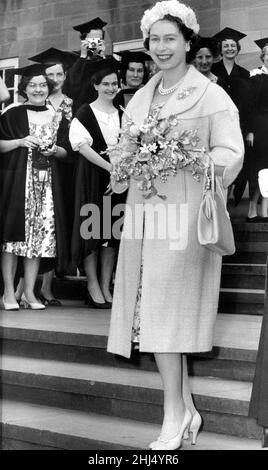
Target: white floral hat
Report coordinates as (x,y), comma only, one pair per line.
(169,7)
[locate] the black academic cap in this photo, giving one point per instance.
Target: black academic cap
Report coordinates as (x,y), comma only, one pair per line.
(229,33)
(133,56)
(54,56)
(108,63)
(261,43)
(32,70)
(96,23)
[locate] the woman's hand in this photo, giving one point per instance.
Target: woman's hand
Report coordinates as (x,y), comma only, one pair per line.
(50,152)
(84,48)
(250,139)
(29,142)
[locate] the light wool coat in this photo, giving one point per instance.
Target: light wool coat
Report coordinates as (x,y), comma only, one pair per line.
(181,278)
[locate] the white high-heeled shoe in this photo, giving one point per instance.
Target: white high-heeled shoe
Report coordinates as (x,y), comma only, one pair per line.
(8,306)
(174,442)
(193,428)
(32,305)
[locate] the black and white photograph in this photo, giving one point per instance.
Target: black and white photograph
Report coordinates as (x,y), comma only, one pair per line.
(134,228)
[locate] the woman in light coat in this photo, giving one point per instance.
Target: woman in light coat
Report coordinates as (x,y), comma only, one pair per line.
(170,305)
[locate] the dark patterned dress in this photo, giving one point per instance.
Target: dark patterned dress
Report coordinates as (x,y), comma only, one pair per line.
(65,108)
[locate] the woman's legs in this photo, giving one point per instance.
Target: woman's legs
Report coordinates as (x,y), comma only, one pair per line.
(253,204)
(264,207)
(19,288)
(186,389)
(108,256)
(46,288)
(90,265)
(9,266)
(31,267)
(170,368)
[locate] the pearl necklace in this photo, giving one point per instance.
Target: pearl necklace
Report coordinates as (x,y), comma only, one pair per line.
(167,91)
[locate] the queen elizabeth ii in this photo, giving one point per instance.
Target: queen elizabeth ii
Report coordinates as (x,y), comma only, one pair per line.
(166,299)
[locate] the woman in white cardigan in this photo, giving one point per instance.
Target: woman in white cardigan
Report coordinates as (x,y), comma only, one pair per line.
(170,305)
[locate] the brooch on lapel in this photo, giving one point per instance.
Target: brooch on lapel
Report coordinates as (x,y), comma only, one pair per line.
(185,92)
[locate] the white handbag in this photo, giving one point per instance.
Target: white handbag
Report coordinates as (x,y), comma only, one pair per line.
(214,226)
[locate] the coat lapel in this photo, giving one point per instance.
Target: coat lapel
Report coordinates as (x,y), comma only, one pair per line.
(192,89)
(188,94)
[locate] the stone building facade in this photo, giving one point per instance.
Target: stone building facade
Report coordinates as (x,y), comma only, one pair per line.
(30,26)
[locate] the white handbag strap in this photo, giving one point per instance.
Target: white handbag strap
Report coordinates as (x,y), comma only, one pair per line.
(209,179)
(212,175)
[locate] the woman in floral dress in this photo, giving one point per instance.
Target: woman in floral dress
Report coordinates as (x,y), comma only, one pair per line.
(57,63)
(32,143)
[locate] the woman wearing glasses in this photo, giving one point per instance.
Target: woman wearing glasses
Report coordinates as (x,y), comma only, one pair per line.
(32,144)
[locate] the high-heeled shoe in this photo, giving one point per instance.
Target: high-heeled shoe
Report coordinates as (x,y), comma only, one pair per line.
(193,428)
(49,302)
(32,305)
(175,442)
(8,306)
(108,303)
(91,302)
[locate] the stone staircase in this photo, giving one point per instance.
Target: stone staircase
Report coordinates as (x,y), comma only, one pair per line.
(62,390)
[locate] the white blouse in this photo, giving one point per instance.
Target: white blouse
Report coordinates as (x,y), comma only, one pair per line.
(109,126)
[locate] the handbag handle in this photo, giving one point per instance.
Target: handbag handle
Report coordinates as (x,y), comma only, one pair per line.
(209,180)
(212,176)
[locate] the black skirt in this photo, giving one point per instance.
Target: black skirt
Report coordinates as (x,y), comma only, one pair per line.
(258,408)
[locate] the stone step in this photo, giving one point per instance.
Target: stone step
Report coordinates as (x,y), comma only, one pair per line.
(243,276)
(128,394)
(251,232)
(251,246)
(32,427)
(78,334)
(232,299)
(246,258)
(241,301)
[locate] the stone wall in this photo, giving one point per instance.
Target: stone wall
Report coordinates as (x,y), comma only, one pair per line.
(30,26)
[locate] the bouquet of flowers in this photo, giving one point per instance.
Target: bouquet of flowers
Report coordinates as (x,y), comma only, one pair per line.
(156,149)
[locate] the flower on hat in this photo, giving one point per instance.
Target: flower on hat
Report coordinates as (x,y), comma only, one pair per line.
(169,7)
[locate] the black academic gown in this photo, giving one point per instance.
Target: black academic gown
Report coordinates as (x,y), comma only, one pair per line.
(238,88)
(258,118)
(236,83)
(91,183)
(257,122)
(124,96)
(77,84)
(13,167)
(258,407)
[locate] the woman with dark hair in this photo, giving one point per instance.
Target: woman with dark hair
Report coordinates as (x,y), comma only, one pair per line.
(161,297)
(95,126)
(56,63)
(134,74)
(204,52)
(32,144)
